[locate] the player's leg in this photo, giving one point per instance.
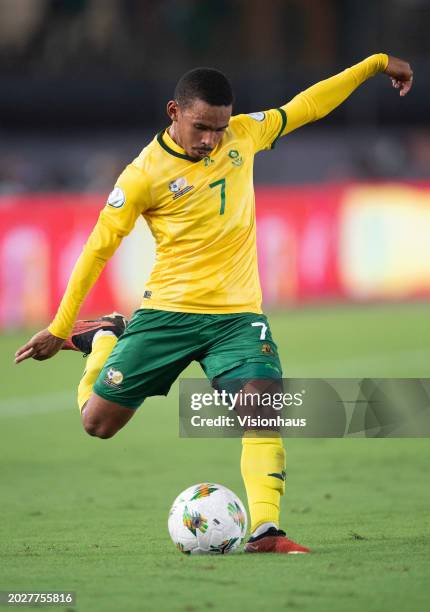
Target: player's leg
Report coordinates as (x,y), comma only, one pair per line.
(263,459)
(96,339)
(262,465)
(102,418)
(144,361)
(248,356)
(244,351)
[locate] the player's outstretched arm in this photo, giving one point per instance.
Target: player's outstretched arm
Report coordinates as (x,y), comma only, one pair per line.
(323,97)
(116,220)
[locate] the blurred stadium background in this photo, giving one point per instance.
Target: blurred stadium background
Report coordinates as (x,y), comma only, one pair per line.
(343,205)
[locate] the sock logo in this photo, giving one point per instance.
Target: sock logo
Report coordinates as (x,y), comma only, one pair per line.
(280,475)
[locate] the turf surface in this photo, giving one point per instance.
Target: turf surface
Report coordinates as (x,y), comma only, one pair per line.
(90,515)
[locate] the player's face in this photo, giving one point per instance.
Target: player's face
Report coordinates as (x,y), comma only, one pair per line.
(198,127)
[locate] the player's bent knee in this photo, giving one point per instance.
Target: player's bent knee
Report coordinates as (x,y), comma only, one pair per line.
(98,430)
(103,419)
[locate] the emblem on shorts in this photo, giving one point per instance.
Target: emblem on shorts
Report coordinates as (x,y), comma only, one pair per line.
(179,187)
(236,158)
(266,348)
(113,377)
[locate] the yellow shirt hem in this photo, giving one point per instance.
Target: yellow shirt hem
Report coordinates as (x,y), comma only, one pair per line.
(204,310)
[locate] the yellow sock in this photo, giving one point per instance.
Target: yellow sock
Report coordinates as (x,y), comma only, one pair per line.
(263,472)
(101,350)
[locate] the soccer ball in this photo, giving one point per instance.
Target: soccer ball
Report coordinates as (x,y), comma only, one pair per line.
(207,519)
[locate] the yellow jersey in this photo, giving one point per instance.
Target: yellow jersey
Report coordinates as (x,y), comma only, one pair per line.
(201,213)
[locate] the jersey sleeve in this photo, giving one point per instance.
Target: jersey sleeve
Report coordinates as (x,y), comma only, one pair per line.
(265,128)
(129,199)
(323,97)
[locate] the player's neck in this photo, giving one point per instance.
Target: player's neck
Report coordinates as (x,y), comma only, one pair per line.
(173,136)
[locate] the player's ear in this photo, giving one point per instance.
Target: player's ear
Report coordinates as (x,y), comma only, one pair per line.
(172,110)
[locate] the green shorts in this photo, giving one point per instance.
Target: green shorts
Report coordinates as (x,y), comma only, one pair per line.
(158,345)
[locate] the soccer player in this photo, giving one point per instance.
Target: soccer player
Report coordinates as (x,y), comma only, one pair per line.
(193,184)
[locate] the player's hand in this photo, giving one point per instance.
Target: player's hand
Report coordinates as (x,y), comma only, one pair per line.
(401,74)
(41,346)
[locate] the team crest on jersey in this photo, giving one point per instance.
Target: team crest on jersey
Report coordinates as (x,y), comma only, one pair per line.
(116,198)
(235,156)
(257,116)
(179,187)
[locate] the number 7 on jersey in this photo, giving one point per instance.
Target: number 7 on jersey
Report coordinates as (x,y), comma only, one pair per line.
(222,183)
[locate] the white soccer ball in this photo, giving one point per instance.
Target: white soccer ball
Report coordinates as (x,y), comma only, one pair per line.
(207,518)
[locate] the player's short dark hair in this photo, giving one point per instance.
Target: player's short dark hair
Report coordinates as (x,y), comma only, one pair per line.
(207,84)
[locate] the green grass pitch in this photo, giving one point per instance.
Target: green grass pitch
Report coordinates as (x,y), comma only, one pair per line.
(90,515)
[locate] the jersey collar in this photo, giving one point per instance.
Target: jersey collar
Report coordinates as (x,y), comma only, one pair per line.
(169,145)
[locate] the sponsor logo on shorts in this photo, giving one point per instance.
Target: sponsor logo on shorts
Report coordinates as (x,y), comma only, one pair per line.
(179,187)
(266,348)
(113,378)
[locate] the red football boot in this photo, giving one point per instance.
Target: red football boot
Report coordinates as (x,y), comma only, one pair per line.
(81,337)
(274,541)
